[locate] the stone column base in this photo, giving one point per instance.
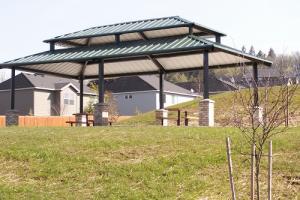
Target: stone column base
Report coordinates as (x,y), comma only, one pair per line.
(82,119)
(101,114)
(161,117)
(206,112)
(12,118)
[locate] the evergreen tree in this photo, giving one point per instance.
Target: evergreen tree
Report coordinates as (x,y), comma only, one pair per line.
(261,54)
(271,54)
(252,51)
(244,50)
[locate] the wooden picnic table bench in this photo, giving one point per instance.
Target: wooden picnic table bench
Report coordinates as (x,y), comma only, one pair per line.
(88,121)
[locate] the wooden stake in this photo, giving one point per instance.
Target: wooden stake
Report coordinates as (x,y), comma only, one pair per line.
(230,168)
(270,172)
(252,171)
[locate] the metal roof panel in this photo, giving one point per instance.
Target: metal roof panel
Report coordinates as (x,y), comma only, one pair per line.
(154,26)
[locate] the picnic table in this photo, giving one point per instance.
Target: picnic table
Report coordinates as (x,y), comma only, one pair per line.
(87,121)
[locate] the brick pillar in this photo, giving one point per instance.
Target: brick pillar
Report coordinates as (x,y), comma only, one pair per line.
(161,117)
(12,118)
(101,114)
(206,112)
(81,118)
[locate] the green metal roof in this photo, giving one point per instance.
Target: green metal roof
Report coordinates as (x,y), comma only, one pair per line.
(173,53)
(133,27)
(126,49)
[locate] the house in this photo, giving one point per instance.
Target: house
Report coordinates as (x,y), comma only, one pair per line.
(216,85)
(138,94)
(43,95)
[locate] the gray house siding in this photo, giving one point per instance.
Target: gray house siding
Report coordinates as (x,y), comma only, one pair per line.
(43,101)
(146,101)
(23,101)
(172,99)
(139,102)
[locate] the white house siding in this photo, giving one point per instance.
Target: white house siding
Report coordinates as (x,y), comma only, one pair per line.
(23,101)
(172,99)
(66,109)
(139,103)
(43,102)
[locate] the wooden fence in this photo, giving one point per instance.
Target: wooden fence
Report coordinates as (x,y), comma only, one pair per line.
(36,121)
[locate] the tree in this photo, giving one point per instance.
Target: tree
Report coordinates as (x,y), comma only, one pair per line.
(252,51)
(274,102)
(261,54)
(271,54)
(244,50)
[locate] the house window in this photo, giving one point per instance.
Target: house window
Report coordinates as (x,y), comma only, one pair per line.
(69,99)
(126,97)
(130,96)
(165,98)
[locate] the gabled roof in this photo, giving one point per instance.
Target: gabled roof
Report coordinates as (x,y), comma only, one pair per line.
(131,58)
(134,30)
(41,81)
(142,83)
(21,81)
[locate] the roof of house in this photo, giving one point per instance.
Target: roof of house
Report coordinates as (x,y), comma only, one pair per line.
(142,83)
(215,85)
(41,81)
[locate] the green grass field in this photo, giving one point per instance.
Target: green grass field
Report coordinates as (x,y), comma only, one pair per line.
(223,110)
(135,163)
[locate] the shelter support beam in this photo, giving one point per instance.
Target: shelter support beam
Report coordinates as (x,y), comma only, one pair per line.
(258,111)
(161,90)
(101,82)
(81,94)
(161,114)
(205,76)
(255,84)
(12,115)
(206,106)
(101,108)
(52,46)
(13,89)
(218,39)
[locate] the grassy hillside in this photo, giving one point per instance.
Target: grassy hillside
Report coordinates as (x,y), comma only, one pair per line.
(223,109)
(135,163)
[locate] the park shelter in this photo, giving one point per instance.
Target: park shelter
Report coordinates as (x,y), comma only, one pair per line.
(153,46)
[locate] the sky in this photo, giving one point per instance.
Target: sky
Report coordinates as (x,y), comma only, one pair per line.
(261,23)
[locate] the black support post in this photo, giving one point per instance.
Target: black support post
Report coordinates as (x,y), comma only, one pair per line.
(205,76)
(117,38)
(218,39)
(81,94)
(13,89)
(101,82)
(255,84)
(161,90)
(52,46)
(190,30)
